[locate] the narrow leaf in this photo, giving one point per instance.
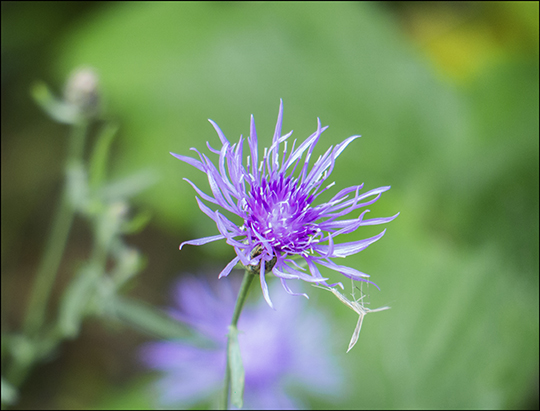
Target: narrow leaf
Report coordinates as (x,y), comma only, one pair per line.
(151,320)
(98,163)
(128,186)
(236,368)
(56,109)
(9,393)
(75,301)
(137,223)
(77,185)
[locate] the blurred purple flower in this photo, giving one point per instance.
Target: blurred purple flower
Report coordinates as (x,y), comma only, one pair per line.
(279,220)
(280,349)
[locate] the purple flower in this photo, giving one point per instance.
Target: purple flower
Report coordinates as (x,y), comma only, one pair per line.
(280,222)
(280,349)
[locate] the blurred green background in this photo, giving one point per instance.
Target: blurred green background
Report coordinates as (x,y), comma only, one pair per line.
(446,98)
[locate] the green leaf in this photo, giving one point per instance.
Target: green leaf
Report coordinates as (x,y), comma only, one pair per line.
(137,223)
(128,186)
(129,262)
(150,320)
(9,393)
(56,109)
(108,223)
(236,368)
(77,184)
(75,302)
(98,163)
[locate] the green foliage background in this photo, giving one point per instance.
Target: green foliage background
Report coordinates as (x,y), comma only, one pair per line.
(446,99)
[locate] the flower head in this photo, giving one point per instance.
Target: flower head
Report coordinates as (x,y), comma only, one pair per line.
(279,349)
(281,223)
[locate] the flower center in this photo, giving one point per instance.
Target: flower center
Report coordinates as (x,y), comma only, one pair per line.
(279,212)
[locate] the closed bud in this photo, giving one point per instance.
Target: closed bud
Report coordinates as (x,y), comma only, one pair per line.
(82,92)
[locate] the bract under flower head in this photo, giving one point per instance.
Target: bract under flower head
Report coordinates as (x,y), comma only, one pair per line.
(280,221)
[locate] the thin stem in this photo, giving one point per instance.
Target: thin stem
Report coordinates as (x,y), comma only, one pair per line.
(242,294)
(52,256)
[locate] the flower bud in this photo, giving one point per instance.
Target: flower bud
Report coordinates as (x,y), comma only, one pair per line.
(82,92)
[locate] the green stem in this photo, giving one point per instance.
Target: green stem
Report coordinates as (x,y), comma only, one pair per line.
(52,256)
(242,294)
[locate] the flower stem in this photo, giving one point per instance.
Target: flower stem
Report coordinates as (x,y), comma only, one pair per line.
(52,256)
(242,294)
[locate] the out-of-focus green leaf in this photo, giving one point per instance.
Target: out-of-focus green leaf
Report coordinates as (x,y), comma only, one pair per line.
(128,186)
(24,351)
(236,368)
(128,263)
(56,109)
(77,186)
(109,222)
(9,393)
(148,319)
(137,223)
(98,163)
(74,306)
